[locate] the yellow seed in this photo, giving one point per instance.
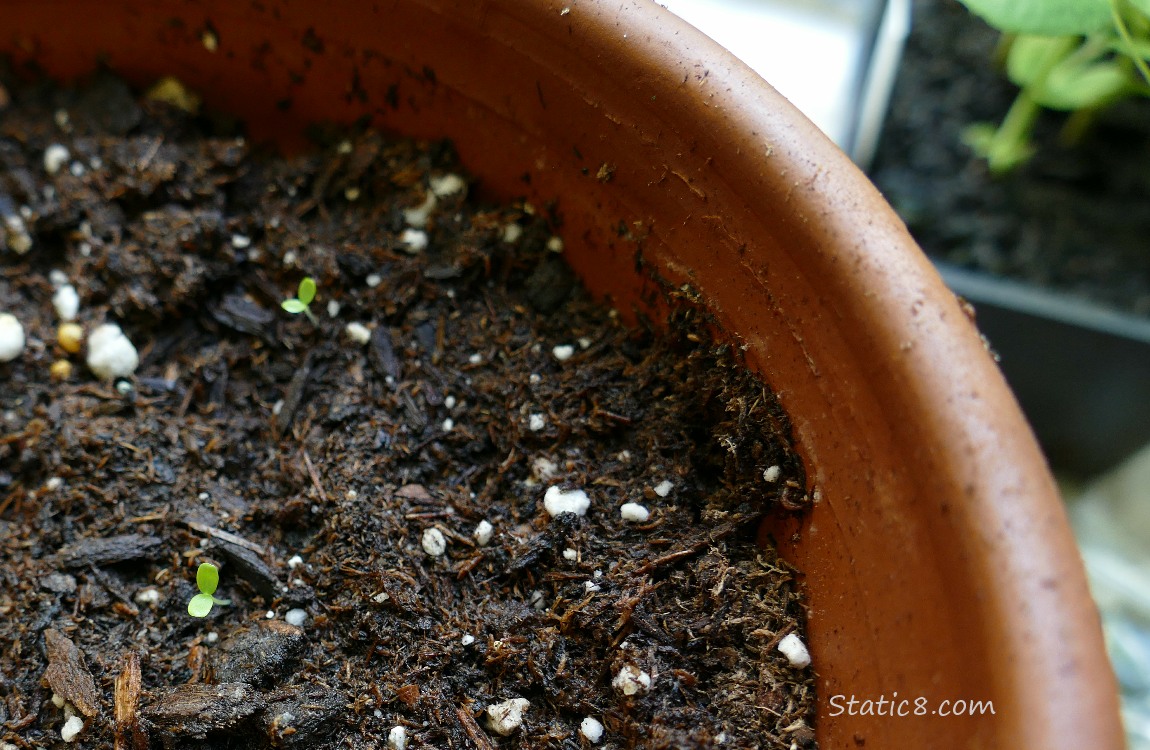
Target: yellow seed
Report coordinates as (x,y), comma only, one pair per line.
(61,369)
(70,336)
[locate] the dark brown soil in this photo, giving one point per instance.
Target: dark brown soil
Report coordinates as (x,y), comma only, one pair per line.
(1074,219)
(310,467)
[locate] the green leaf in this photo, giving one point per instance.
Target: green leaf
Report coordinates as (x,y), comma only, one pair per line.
(1002,151)
(1030,57)
(200,605)
(1084,87)
(306,290)
(1142,5)
(1044,17)
(207,578)
(293,306)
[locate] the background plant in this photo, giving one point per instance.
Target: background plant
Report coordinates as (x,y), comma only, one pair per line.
(1076,56)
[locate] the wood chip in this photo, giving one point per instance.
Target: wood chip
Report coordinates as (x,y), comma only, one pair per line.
(381,353)
(109,550)
(251,568)
(195,710)
(292,397)
(129,735)
(258,654)
(67,674)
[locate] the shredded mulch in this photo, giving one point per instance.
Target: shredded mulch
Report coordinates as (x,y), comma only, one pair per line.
(323,474)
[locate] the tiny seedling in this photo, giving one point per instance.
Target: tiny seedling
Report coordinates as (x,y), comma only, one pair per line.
(207,579)
(304,296)
(1076,56)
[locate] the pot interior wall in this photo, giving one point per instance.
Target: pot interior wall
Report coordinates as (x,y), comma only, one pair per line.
(937,561)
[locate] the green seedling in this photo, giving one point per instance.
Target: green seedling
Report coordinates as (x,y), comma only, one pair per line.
(304,296)
(207,579)
(1076,56)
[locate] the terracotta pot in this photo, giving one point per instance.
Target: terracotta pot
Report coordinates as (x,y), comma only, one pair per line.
(938,561)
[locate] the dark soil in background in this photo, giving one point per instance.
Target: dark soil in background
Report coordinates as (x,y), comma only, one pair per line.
(1073,219)
(250,436)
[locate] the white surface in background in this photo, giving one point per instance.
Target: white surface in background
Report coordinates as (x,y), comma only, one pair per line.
(1111,518)
(809,51)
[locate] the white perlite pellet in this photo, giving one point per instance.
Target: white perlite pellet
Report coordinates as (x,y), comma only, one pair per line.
(66,300)
(512,233)
(16,235)
(536,422)
(483,533)
(563,352)
(631,680)
(397,738)
(544,468)
(504,718)
(434,542)
(359,333)
(11,337)
(592,729)
(771,473)
(467,639)
(110,353)
(295,617)
(241,241)
(795,650)
(147,596)
(414,241)
(448,184)
(557,501)
(555,244)
(55,157)
(662,489)
(71,729)
(295,562)
(634,512)
(418,216)
(570,554)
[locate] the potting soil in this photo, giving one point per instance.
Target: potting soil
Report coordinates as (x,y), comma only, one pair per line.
(415,491)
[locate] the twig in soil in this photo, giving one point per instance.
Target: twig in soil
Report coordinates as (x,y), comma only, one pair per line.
(226,536)
(769,646)
(314,477)
(477,735)
(129,735)
(695,548)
